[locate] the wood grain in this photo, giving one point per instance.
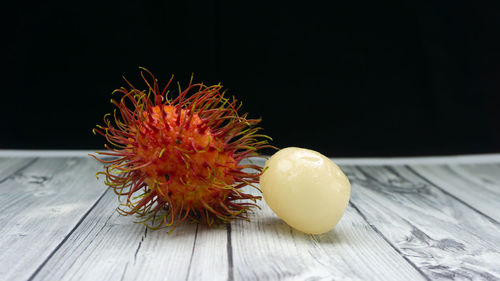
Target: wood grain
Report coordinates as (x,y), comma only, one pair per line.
(443,237)
(40,205)
(9,166)
(477,185)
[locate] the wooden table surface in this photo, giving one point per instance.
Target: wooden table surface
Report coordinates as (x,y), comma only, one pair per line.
(408,219)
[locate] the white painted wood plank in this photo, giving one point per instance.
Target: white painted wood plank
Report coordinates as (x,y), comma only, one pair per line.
(425,228)
(443,237)
(210,259)
(8,166)
(268,249)
(108,246)
(39,206)
(477,185)
(105,247)
(486,175)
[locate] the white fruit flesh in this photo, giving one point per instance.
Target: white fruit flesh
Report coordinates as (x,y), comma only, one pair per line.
(305,189)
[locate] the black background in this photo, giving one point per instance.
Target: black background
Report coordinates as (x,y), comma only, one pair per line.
(353,78)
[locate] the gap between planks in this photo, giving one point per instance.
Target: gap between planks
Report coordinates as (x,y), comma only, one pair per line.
(451,195)
(32,277)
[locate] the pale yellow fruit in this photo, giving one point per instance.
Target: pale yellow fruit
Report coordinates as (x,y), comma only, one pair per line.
(305,189)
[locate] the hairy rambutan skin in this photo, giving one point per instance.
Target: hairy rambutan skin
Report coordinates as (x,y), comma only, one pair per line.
(178,159)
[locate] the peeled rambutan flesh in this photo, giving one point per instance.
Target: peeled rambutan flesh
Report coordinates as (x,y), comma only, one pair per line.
(177,159)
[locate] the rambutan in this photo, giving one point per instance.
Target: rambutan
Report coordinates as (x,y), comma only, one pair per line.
(180,158)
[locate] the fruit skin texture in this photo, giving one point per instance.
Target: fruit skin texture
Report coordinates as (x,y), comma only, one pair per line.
(178,159)
(305,189)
